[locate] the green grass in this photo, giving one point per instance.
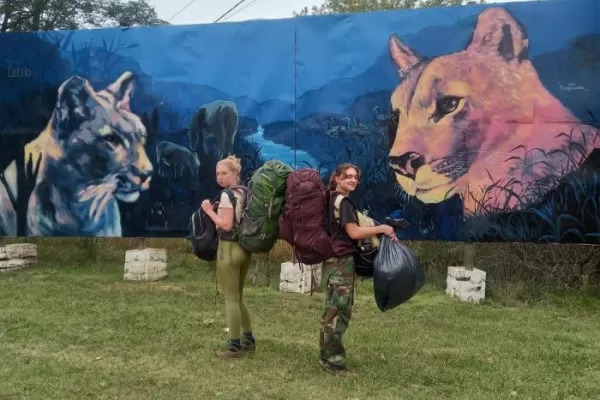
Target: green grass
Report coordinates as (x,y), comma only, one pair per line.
(76,330)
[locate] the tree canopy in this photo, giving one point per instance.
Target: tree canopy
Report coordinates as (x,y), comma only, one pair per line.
(349,6)
(49,15)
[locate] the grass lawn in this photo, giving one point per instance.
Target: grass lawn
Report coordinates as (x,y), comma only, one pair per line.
(74,330)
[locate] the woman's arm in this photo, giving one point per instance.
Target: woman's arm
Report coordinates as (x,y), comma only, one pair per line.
(363,232)
(224,219)
(349,220)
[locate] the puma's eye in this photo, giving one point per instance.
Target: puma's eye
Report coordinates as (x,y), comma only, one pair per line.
(446,104)
(113,139)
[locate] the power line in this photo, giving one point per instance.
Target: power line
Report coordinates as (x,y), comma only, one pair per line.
(228,11)
(182,10)
(239,10)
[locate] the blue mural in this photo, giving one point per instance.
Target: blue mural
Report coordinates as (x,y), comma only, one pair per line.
(475,123)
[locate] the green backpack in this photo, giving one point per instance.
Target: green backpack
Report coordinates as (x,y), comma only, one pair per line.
(259,230)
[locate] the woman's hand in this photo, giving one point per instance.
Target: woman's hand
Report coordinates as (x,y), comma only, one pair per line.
(206,206)
(389,232)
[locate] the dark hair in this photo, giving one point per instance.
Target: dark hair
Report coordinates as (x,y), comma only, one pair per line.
(340,171)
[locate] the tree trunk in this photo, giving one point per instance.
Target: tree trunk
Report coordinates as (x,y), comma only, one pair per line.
(36,14)
(7,13)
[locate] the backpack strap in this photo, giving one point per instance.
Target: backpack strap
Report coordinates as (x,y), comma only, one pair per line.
(336,206)
(233,200)
(245,191)
(337,202)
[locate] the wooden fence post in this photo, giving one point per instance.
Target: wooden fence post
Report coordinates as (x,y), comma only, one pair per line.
(469,256)
(141,242)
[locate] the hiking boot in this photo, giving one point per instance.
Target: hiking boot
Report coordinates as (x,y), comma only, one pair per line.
(335,369)
(248,346)
(230,351)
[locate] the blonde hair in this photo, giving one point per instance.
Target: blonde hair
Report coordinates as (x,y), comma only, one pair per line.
(234,164)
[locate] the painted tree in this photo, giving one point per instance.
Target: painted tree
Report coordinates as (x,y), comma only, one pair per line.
(49,15)
(350,6)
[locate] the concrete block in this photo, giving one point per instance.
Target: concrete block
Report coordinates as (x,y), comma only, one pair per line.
(145,265)
(466,285)
(17,256)
(21,250)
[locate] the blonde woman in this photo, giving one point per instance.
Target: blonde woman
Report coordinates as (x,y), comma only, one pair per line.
(233,261)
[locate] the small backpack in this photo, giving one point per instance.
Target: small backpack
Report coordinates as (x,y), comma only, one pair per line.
(204,234)
(265,198)
(307,222)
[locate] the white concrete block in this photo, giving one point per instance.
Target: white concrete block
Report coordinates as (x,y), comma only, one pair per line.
(145,265)
(17,256)
(297,277)
(15,263)
(21,250)
(466,285)
(147,254)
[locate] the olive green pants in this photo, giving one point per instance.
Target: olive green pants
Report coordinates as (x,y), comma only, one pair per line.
(233,263)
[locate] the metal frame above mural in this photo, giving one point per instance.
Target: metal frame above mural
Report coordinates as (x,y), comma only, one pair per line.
(474,123)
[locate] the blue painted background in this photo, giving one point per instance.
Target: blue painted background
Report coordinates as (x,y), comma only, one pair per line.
(288,78)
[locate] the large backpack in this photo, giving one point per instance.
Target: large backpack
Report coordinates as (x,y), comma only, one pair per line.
(307,222)
(204,235)
(258,229)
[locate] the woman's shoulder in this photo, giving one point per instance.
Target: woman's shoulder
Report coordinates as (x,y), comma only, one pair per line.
(344,201)
(225,199)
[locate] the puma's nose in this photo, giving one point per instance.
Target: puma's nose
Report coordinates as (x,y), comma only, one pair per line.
(407,164)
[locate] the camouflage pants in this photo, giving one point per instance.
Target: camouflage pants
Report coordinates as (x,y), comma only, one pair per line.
(339,280)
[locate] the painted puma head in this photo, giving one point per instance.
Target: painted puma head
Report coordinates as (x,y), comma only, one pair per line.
(98,141)
(458,118)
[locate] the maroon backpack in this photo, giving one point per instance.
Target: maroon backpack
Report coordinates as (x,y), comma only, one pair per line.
(307,222)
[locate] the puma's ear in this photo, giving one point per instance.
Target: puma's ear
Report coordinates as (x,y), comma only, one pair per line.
(498,33)
(123,89)
(74,105)
(404,58)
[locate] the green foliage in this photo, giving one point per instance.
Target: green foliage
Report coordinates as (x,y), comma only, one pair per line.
(351,6)
(49,15)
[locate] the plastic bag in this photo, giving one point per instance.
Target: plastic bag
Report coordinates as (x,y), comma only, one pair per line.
(397,274)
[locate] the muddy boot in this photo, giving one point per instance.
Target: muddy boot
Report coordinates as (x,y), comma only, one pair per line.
(233,349)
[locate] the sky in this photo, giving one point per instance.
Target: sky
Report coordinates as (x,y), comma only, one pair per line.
(207,11)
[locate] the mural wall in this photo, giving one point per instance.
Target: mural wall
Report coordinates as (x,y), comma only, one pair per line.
(475,123)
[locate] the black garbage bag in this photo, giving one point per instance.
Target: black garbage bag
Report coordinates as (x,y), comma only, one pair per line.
(397,274)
